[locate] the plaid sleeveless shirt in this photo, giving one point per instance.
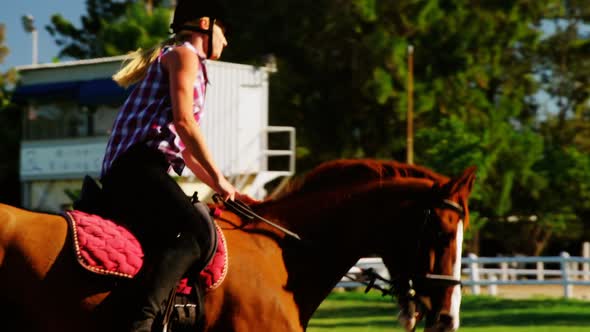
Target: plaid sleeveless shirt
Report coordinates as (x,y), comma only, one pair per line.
(146,115)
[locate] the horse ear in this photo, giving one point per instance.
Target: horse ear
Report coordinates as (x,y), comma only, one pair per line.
(463,182)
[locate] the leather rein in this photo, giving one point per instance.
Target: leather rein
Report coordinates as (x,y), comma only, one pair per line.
(246,212)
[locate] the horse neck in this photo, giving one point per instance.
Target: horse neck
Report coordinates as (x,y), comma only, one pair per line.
(336,233)
(322,212)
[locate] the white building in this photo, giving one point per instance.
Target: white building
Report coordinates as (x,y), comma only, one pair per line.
(69,109)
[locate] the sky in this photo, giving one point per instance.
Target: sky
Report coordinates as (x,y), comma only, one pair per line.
(20,42)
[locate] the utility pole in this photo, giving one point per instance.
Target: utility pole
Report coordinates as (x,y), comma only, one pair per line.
(29,25)
(410,115)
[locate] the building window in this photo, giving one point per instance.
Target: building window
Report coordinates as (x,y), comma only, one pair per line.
(46,121)
(103,119)
(55,121)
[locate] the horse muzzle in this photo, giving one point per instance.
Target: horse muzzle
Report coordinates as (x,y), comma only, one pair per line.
(407,322)
(443,323)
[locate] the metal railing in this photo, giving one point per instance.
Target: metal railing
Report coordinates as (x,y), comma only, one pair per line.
(254,176)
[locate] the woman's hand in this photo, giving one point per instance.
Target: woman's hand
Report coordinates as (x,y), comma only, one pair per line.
(228,192)
(225,189)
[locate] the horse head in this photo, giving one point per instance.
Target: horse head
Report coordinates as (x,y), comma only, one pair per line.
(426,276)
(412,217)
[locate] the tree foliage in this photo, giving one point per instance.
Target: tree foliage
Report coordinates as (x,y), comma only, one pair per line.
(481,68)
(110,28)
(6,79)
(84,42)
(478,69)
(135,29)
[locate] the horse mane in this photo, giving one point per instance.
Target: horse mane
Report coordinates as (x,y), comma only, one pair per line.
(356,171)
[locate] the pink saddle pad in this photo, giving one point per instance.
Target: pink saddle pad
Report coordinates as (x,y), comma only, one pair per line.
(104,247)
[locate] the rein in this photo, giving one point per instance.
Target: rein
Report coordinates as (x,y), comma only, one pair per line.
(245,211)
(395,285)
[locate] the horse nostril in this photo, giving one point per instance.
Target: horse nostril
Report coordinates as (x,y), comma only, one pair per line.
(446,320)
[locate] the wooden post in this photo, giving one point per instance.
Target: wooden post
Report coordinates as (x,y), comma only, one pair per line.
(568,289)
(493,288)
(149,6)
(410,120)
(504,268)
(574,270)
(586,266)
(474,274)
(540,271)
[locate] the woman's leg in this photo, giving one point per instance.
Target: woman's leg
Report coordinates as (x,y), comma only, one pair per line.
(172,232)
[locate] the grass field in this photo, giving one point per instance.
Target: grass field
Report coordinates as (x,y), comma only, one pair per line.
(358,312)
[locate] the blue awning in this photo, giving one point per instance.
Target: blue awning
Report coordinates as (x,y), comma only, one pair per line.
(100,92)
(62,90)
(91,93)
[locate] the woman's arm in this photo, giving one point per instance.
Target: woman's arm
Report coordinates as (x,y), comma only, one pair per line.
(182,65)
(193,164)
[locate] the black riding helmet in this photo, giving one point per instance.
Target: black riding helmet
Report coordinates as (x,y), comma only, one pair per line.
(189,10)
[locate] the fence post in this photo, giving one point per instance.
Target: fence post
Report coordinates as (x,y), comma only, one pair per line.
(574,270)
(586,266)
(504,268)
(474,274)
(567,287)
(540,271)
(493,288)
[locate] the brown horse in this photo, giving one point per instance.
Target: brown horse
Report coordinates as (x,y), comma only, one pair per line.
(343,210)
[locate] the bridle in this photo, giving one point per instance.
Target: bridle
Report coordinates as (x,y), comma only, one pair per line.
(408,286)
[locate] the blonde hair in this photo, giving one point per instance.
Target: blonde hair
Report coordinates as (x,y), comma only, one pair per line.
(136,65)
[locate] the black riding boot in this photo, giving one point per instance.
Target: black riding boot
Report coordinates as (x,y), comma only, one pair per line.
(156,283)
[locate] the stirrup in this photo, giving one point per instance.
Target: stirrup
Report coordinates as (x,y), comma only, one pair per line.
(168,310)
(183,317)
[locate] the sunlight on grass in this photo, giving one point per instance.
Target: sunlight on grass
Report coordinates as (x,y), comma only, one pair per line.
(355,311)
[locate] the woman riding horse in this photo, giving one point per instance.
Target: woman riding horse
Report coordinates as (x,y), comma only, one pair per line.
(344,210)
(157,129)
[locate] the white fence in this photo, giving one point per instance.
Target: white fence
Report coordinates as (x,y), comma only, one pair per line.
(567,271)
(561,270)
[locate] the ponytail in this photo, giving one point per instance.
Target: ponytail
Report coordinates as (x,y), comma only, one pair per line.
(136,65)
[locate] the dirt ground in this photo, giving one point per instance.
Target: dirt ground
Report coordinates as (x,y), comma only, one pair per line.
(532,291)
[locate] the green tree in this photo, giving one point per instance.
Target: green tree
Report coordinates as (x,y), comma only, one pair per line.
(342,68)
(6,79)
(342,82)
(105,30)
(563,67)
(82,43)
(564,71)
(479,67)
(138,28)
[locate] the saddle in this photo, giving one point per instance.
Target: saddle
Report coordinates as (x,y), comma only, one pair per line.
(105,247)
